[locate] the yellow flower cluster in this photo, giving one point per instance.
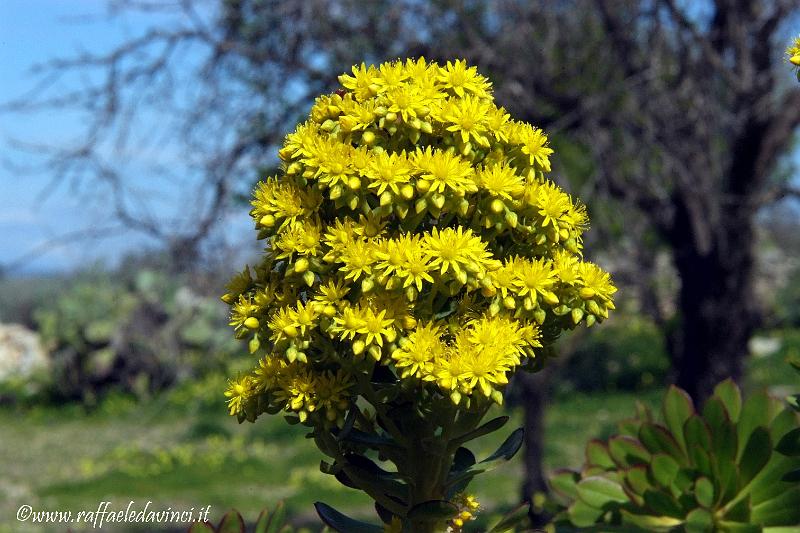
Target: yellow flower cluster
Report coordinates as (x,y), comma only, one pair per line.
(411,227)
(468,507)
(793,55)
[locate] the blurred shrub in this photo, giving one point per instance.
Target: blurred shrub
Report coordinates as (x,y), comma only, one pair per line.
(628,353)
(105,335)
(20,296)
(787,302)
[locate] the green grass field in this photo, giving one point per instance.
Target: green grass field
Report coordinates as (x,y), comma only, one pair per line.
(181,450)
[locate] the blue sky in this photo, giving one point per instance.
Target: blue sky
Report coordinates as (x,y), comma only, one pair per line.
(33,209)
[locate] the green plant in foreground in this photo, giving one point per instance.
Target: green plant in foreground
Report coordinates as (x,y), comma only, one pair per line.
(416,257)
(232,522)
(732,467)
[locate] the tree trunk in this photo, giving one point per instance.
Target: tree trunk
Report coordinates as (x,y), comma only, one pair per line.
(534,399)
(718,313)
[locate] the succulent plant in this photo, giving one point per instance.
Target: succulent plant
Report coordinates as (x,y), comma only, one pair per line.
(731,467)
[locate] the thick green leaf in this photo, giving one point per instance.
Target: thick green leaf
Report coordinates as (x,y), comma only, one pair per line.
(650,522)
(789,443)
(271,523)
(699,520)
(201,527)
(755,412)
(664,469)
(704,492)
(369,439)
(738,527)
(433,510)
(657,439)
(462,460)
(636,479)
(512,519)
(696,433)
(509,448)
(729,394)
(582,514)
(756,453)
(662,503)
(677,408)
(793,476)
(784,510)
(232,522)
(565,483)
(485,429)
(342,523)
(597,454)
(627,451)
(598,492)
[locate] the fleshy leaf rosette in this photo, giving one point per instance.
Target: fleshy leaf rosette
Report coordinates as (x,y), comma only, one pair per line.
(416,256)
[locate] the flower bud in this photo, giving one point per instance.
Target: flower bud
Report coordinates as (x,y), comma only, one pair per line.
(251,322)
(301,265)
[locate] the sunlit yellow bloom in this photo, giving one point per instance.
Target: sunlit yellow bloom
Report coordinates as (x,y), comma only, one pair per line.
(239,391)
(389,170)
(535,277)
(459,78)
(535,146)
(390,75)
(596,282)
(419,351)
(440,170)
(361,82)
(793,52)
(468,118)
(501,181)
(358,257)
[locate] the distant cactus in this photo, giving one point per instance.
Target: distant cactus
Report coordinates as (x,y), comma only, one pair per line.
(102,334)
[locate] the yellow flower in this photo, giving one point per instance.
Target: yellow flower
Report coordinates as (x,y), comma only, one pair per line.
(375,327)
(299,237)
(349,323)
(390,75)
(268,372)
(552,204)
(501,181)
(389,170)
(297,390)
(358,257)
(332,391)
(793,52)
(360,82)
(596,283)
(238,392)
(467,117)
(441,170)
(243,313)
(535,277)
(452,249)
(460,79)
(534,145)
(419,350)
